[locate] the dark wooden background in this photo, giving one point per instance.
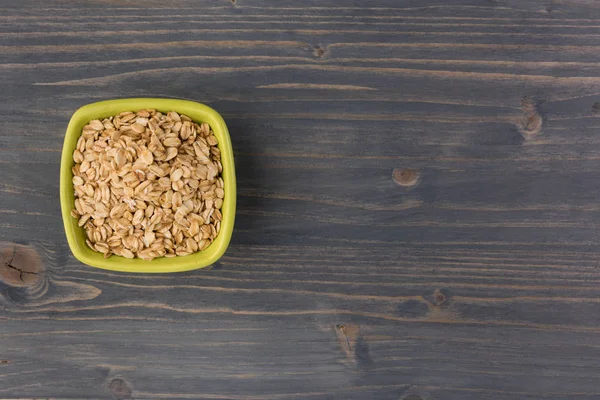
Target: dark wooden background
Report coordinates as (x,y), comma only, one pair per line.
(479,281)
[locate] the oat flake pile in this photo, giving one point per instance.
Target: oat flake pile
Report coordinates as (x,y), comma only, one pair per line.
(148,185)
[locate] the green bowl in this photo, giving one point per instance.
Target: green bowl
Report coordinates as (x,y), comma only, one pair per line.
(76,235)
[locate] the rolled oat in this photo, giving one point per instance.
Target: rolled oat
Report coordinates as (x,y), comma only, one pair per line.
(148,185)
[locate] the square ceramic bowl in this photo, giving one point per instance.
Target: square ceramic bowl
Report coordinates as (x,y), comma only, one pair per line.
(76,235)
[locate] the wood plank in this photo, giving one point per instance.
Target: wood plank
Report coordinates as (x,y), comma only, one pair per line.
(480,281)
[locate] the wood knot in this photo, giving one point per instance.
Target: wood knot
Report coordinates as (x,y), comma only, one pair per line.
(354,345)
(528,103)
(405,176)
(120,389)
(596,108)
(319,51)
(3,362)
(439,298)
(530,123)
(20,265)
(347,335)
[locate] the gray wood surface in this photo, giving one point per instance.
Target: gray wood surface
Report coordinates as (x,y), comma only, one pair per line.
(418,203)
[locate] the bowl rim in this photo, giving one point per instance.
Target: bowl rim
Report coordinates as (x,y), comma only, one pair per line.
(103,109)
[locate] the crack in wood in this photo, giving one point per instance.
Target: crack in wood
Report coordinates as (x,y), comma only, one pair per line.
(21,272)
(22,265)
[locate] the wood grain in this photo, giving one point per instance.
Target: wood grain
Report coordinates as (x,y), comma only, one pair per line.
(473,276)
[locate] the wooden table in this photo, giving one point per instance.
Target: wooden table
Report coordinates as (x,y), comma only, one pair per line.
(418,204)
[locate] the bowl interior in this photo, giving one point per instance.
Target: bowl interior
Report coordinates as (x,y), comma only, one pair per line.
(76,235)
